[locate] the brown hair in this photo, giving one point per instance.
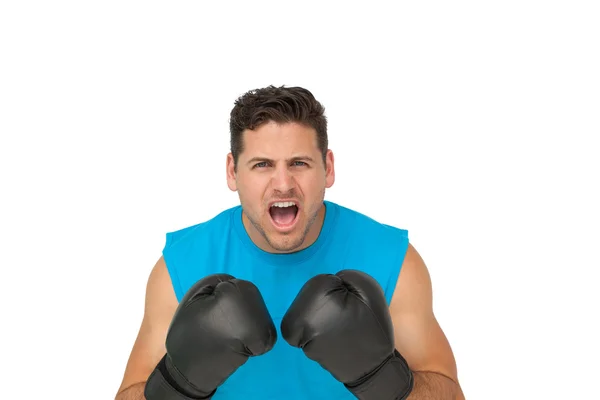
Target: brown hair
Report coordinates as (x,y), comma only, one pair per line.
(278,104)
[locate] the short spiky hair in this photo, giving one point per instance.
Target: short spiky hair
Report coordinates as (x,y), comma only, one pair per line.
(278,104)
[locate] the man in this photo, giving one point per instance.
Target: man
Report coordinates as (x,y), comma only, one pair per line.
(288,296)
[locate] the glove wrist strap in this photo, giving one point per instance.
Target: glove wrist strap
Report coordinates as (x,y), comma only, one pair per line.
(161,385)
(393,379)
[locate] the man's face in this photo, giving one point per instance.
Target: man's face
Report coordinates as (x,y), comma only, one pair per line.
(281,182)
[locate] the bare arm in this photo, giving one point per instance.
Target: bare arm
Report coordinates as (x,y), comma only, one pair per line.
(433,386)
(134,392)
(419,337)
(149,346)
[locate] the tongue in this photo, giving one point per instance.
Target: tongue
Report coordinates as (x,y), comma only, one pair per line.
(283,215)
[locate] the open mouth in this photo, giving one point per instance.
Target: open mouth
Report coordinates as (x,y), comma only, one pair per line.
(284,214)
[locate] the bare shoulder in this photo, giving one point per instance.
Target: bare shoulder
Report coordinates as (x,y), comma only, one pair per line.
(413,293)
(419,337)
(149,346)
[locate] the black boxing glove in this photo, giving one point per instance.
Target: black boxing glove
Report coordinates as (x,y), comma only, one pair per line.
(220,322)
(342,322)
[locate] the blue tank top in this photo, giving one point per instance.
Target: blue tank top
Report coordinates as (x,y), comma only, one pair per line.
(348,240)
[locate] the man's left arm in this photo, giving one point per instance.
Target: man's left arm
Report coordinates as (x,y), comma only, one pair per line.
(418,335)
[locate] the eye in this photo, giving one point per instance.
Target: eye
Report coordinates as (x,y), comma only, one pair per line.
(260,164)
(299,163)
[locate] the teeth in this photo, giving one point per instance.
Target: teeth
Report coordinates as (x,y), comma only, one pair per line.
(284,204)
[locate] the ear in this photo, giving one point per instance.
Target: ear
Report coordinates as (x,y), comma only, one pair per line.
(231,175)
(329,169)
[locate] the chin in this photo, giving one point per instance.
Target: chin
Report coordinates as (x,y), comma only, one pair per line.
(286,243)
(288,237)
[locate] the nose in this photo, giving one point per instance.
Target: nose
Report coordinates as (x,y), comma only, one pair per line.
(282,180)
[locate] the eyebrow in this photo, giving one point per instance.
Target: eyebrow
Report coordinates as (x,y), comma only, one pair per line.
(264,159)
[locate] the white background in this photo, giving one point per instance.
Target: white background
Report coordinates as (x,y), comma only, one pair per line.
(473,124)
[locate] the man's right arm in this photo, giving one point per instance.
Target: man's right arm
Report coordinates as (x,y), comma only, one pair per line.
(149,347)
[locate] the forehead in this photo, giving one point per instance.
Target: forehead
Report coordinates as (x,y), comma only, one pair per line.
(280,139)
